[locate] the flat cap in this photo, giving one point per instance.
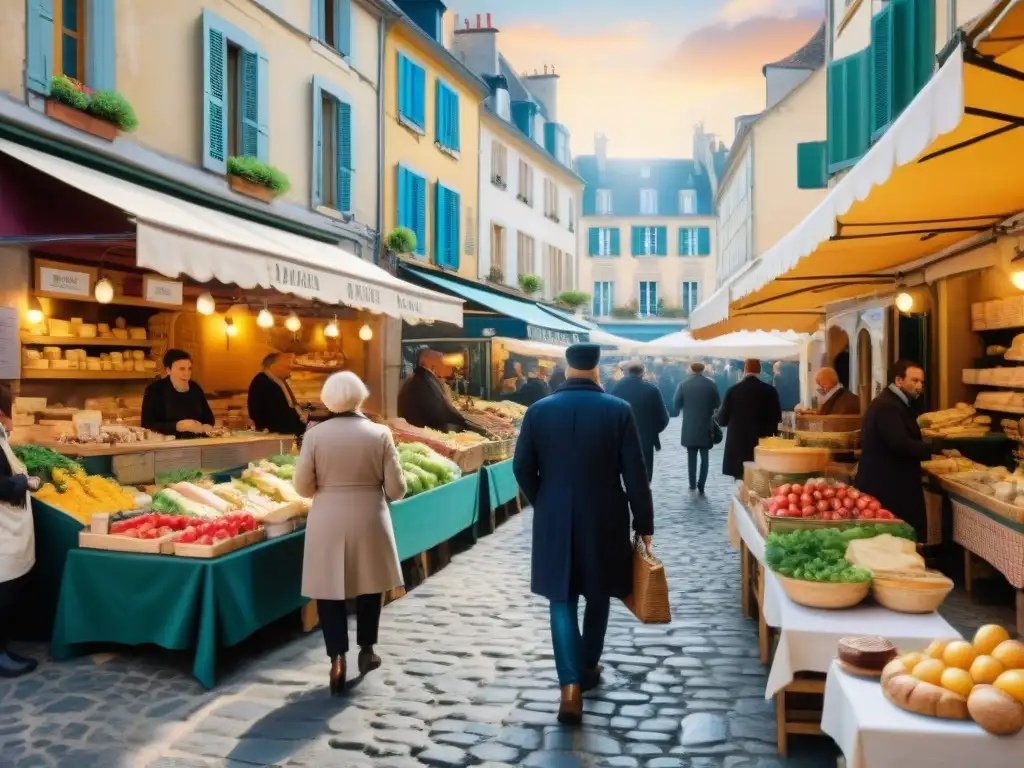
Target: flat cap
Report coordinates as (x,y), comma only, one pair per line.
(583,357)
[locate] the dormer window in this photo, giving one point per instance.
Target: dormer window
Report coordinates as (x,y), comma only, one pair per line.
(645,172)
(648,202)
(687,201)
(604,202)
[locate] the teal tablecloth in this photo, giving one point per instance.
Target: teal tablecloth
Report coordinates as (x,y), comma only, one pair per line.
(501,483)
(176,602)
(426,520)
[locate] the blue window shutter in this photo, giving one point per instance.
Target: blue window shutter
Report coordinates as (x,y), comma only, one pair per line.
(661,246)
(39,45)
(343,26)
(343,122)
(403,86)
(595,241)
(263,108)
(704,241)
(638,240)
(215,136)
(316,19)
(683,249)
(101,51)
(420,208)
(453,121)
(405,213)
(441,114)
(249,108)
(453,213)
(614,249)
(419,100)
(316,177)
(440,227)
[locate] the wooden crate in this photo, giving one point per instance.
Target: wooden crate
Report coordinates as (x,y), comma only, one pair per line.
(115,543)
(208,551)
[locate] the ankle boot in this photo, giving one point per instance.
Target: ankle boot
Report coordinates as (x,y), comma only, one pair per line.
(368,660)
(337,678)
(570,711)
(590,677)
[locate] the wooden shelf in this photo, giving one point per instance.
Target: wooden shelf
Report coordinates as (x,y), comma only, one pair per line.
(80,375)
(67,341)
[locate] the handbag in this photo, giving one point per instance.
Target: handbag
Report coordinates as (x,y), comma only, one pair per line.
(649,599)
(716,433)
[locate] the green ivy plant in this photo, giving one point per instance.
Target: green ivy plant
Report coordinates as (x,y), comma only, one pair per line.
(258,172)
(109,106)
(70,92)
(572,299)
(401,240)
(530,284)
(495,275)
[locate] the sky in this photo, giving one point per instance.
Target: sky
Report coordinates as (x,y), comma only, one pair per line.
(644,72)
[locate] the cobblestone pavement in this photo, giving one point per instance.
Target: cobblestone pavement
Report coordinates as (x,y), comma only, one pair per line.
(468,678)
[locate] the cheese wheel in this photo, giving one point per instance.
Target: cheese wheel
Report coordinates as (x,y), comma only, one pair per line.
(116,357)
(138,355)
(32,354)
(106,365)
(120,333)
(52,353)
(59,327)
(138,334)
(118,365)
(87,331)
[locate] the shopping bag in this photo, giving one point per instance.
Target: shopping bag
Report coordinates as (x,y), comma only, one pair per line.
(649,599)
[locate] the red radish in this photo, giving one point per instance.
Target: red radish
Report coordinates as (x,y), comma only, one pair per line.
(862,503)
(808,511)
(826,515)
(822,506)
(784,489)
(836,504)
(874,506)
(805,499)
(853,493)
(796,488)
(868,514)
(794,498)
(885,514)
(829,493)
(849,503)
(840,493)
(817,496)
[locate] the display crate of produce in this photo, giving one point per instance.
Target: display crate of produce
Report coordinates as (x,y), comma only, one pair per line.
(813,422)
(115,543)
(776,524)
(833,440)
(222,547)
(499,450)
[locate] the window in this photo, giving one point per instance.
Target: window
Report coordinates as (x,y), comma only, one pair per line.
(447,210)
(469,247)
(332,146)
(648,202)
(648,303)
(604,241)
(690,296)
(236,115)
(70,37)
(687,201)
(332,24)
(604,202)
(412,206)
(572,214)
(526,263)
(554,270)
(498,246)
(551,200)
(69,40)
(499,164)
(412,89)
(604,298)
(649,241)
(525,183)
(695,241)
(447,117)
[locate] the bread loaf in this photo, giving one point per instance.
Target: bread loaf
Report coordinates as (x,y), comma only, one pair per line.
(870,653)
(924,698)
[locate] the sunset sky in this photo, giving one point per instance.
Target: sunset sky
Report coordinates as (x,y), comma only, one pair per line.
(643,72)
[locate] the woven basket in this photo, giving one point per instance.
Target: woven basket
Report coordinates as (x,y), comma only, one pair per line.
(835,440)
(756,480)
(792,460)
(820,594)
(900,594)
(812,422)
(649,599)
(499,450)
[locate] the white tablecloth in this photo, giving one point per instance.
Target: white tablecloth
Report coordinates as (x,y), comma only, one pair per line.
(748,529)
(872,733)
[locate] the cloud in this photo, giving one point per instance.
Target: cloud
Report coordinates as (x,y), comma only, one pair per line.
(735,11)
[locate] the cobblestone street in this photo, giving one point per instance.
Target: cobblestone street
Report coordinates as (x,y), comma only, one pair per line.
(468,678)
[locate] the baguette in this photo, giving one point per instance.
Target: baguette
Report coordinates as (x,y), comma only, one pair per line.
(924,698)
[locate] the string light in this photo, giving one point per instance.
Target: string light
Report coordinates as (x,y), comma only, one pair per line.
(205,304)
(104,291)
(331,329)
(230,329)
(293,323)
(366,332)
(35,311)
(264,319)
(904,302)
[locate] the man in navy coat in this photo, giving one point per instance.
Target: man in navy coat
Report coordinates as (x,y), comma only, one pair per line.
(648,409)
(579,463)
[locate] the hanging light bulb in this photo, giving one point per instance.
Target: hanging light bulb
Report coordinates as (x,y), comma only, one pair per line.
(331,329)
(34,315)
(205,304)
(1017,278)
(293,323)
(904,302)
(104,291)
(230,329)
(264,319)
(365,332)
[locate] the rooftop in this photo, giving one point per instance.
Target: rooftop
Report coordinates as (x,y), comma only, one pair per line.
(625,177)
(810,56)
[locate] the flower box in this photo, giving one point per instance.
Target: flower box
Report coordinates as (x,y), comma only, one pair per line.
(80,120)
(251,189)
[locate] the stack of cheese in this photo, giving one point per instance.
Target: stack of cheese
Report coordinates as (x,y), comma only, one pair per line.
(57,359)
(960,421)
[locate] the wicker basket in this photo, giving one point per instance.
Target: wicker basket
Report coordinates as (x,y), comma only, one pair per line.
(900,593)
(812,422)
(835,440)
(756,480)
(498,450)
(649,599)
(792,460)
(820,594)
(777,524)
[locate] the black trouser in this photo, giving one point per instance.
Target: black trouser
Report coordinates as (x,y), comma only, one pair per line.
(334,623)
(9,595)
(691,466)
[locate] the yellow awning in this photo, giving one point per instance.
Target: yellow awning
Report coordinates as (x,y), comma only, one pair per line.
(943,173)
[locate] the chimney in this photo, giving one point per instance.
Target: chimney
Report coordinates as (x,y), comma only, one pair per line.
(544,87)
(477,46)
(499,100)
(601,150)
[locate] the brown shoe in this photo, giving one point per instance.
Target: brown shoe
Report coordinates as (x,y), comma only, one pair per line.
(368,661)
(337,675)
(591,678)
(570,711)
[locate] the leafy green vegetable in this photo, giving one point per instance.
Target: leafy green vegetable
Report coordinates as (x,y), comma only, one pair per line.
(40,462)
(165,505)
(283,460)
(818,554)
(173,476)
(286,472)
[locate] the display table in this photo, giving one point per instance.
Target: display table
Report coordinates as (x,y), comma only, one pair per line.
(177,603)
(502,486)
(873,732)
(427,519)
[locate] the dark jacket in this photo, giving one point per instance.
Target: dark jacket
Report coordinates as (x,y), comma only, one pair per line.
(842,403)
(697,399)
(422,403)
(579,463)
(163,407)
(751,410)
(890,462)
(533,390)
(270,409)
(667,386)
(557,378)
(649,412)
(12,487)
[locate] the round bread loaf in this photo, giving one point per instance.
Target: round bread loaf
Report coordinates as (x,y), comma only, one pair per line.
(870,653)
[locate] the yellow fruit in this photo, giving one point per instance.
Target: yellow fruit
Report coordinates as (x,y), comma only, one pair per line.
(911,660)
(936,649)
(957,681)
(1012,682)
(930,671)
(988,637)
(1010,653)
(959,654)
(985,669)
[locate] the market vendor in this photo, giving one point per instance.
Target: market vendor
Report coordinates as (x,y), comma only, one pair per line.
(833,398)
(533,390)
(17,540)
(892,448)
(422,401)
(272,404)
(176,405)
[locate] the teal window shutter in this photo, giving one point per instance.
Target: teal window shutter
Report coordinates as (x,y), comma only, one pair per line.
(858,100)
(835,110)
(811,171)
(661,241)
(453,215)
(419,95)
(923,55)
(614,249)
(101,56)
(441,114)
(316,175)
(343,121)
(881,72)
(343,26)
(249,107)
(263,107)
(215,135)
(637,235)
(419,202)
(405,215)
(39,45)
(440,226)
(704,236)
(317,26)
(595,241)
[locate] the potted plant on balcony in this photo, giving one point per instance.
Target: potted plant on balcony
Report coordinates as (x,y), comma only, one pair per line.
(103,114)
(256,179)
(496,276)
(573,300)
(530,284)
(398,243)
(628,312)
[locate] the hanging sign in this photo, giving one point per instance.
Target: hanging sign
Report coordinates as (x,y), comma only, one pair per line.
(64,281)
(161,291)
(549,336)
(286,277)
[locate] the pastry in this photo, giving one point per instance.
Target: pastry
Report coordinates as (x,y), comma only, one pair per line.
(924,698)
(867,653)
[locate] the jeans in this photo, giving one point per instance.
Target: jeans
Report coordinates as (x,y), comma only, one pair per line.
(575,652)
(691,462)
(334,622)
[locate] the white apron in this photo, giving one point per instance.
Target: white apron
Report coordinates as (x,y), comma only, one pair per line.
(17,535)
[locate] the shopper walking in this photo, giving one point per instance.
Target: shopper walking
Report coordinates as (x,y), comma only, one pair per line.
(649,410)
(751,410)
(577,449)
(350,468)
(697,399)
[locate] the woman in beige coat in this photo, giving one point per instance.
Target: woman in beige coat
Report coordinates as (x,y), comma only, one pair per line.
(349,466)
